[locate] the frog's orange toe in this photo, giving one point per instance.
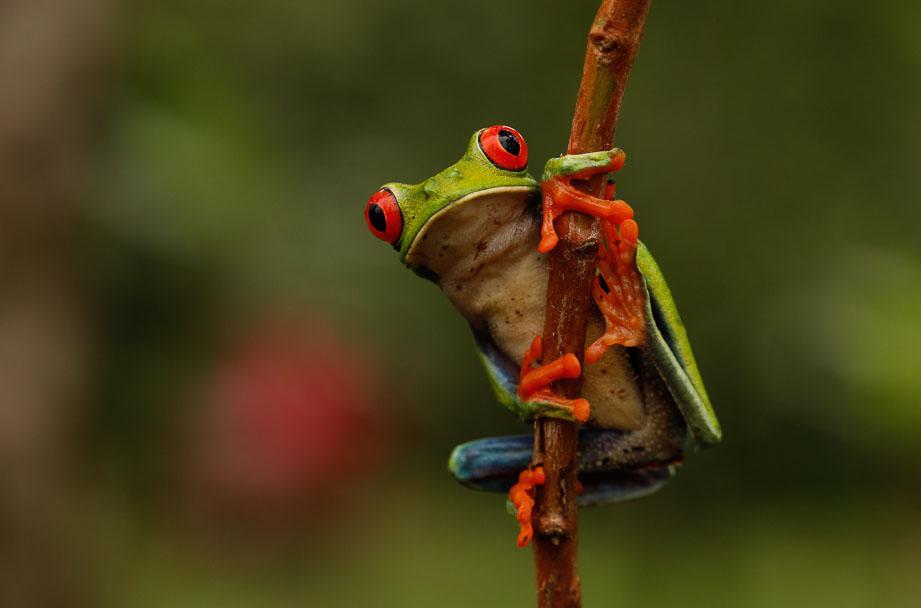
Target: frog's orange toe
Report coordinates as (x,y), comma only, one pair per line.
(570,366)
(548,242)
(522,496)
(534,379)
(525,535)
(594,352)
(629,231)
(581,410)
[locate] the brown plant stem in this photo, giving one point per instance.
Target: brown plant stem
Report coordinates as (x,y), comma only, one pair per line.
(613,40)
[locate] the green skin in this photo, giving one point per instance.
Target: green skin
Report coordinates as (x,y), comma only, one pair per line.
(666,352)
(471,174)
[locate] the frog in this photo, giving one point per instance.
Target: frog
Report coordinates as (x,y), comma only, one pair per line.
(482,230)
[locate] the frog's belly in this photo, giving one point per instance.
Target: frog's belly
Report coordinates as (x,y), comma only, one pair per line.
(611,385)
(484,252)
(508,298)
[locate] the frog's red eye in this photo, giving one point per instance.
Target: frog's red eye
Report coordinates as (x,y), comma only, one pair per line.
(504,147)
(385,220)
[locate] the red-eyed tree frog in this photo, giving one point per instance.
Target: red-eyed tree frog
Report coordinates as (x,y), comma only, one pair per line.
(480,230)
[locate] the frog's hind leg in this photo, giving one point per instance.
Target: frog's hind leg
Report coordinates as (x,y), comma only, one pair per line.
(621,486)
(616,466)
(501,464)
(494,465)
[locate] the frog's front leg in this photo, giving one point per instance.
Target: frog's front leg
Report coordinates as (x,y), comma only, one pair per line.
(618,288)
(560,195)
(535,399)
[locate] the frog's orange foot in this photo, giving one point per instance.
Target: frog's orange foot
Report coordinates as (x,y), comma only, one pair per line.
(560,195)
(618,290)
(534,382)
(522,497)
(533,379)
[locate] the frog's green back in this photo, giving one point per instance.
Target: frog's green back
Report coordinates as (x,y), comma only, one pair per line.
(671,350)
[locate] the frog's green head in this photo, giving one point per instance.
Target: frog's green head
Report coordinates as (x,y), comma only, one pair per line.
(495,163)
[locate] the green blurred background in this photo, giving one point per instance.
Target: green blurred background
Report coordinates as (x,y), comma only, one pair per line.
(220,390)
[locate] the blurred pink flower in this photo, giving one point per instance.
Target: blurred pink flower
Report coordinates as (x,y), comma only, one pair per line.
(291,420)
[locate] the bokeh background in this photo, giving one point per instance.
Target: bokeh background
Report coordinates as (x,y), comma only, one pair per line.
(219,390)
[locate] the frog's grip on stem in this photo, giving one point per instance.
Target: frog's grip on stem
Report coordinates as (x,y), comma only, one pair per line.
(559,195)
(613,40)
(522,497)
(534,382)
(618,288)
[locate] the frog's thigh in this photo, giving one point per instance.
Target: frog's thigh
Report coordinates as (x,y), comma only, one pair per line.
(620,486)
(608,472)
(491,464)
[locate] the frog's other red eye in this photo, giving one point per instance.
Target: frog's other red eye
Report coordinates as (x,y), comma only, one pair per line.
(385,220)
(504,147)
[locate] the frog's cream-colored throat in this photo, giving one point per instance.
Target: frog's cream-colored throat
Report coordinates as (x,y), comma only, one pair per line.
(463,223)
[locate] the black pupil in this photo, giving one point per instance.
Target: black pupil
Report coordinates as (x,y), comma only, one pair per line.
(377,218)
(509,142)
